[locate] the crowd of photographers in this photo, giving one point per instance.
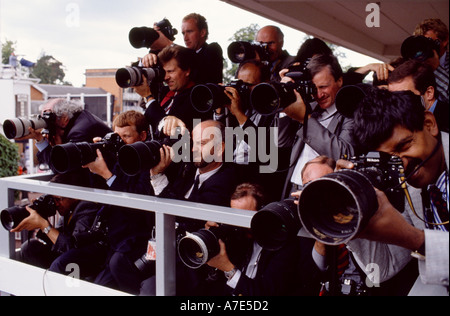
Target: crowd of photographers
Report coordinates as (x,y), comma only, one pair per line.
(356,203)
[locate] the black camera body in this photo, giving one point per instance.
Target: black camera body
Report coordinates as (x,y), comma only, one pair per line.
(45,206)
(241,51)
(334,208)
(18,127)
(271,98)
(209,97)
(132,76)
(385,171)
(71,156)
(197,248)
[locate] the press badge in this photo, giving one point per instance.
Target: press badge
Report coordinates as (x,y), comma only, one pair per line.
(151,248)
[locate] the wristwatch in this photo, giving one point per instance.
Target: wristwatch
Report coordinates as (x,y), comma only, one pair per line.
(230,274)
(47,229)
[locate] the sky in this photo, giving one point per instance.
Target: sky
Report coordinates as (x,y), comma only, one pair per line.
(85,34)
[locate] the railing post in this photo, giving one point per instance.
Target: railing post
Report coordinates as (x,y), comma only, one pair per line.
(165,255)
(7,241)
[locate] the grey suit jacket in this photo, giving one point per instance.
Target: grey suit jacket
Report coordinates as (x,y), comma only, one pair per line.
(334,142)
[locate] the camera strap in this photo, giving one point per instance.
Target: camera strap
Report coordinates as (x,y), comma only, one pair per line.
(408,197)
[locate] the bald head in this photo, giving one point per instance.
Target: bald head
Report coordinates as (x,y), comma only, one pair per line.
(317,168)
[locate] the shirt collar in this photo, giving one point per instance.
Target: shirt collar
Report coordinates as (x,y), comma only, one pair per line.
(205,176)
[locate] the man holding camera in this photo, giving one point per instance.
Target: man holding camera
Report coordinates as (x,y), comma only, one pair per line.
(279,59)
(419,78)
(325,131)
(72,124)
(77,218)
(263,272)
(175,108)
(208,57)
(128,230)
(397,123)
(207,179)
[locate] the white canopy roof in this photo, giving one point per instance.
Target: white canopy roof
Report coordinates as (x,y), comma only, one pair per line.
(344,22)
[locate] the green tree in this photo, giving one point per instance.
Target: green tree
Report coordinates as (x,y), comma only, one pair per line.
(49,70)
(9,158)
(246,34)
(7,49)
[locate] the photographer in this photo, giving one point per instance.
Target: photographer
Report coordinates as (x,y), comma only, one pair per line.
(132,127)
(175,109)
(208,59)
(278,58)
(438,30)
(327,132)
(128,230)
(339,273)
(397,123)
(73,124)
(77,218)
(263,273)
(207,179)
(419,78)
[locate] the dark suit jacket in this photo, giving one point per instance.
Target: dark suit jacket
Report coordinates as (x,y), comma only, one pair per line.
(277,273)
(83,127)
(80,222)
(334,142)
(128,228)
(442,116)
(209,64)
(181,108)
(217,190)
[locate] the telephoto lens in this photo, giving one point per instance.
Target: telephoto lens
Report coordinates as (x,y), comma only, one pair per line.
(18,127)
(142,37)
(334,208)
(72,156)
(195,249)
(208,97)
(241,51)
(271,98)
(132,76)
(140,156)
(13,216)
(275,224)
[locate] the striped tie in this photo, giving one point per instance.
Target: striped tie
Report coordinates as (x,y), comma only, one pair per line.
(342,259)
(440,206)
(441,75)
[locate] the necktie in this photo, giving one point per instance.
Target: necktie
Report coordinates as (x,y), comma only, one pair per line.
(167,102)
(318,111)
(194,192)
(342,259)
(440,205)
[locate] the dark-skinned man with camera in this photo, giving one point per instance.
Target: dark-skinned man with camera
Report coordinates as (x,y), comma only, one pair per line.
(397,123)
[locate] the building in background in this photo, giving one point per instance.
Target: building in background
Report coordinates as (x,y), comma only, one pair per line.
(124,99)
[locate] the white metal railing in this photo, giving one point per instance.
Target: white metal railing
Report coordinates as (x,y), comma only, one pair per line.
(12,273)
